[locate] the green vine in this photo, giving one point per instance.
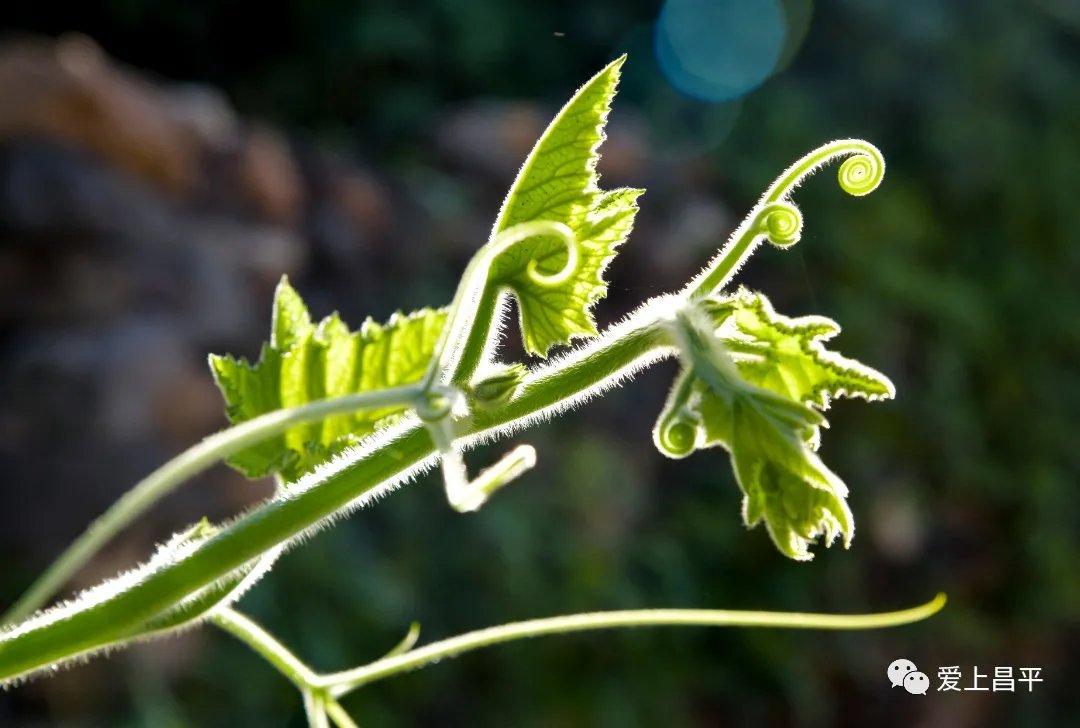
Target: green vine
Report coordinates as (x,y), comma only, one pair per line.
(342,417)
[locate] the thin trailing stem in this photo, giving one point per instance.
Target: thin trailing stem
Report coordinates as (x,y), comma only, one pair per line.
(342,683)
(320,692)
(182,468)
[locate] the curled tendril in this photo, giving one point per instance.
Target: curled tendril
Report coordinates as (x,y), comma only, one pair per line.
(676,431)
(861,174)
(777,219)
(549,280)
(676,435)
(436,403)
(467,299)
(781,222)
(519,233)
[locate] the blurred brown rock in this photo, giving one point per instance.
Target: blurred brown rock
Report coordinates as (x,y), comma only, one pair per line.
(494,137)
(187,406)
(206,113)
(69,90)
(269,177)
(363,202)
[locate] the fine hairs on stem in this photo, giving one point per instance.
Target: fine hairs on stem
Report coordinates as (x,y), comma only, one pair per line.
(342,417)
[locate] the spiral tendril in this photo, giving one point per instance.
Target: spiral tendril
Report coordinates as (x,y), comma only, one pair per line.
(524,231)
(549,280)
(860,174)
(777,219)
(781,222)
(676,435)
(464,307)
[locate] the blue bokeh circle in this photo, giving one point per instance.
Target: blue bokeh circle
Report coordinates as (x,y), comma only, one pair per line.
(717,50)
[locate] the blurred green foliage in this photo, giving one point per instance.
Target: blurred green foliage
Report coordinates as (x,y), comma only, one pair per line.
(958,278)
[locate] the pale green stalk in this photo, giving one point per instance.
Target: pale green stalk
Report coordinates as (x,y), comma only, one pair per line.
(250,633)
(318,702)
(342,683)
(461,318)
(183,467)
(338,715)
(315,710)
(321,692)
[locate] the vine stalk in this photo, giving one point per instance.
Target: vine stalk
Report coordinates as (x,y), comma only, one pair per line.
(184,467)
(439,429)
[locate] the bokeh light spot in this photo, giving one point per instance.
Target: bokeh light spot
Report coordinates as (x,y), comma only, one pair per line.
(718,50)
(679,127)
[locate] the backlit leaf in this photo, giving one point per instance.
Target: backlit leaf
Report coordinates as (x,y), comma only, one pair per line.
(305,362)
(558,183)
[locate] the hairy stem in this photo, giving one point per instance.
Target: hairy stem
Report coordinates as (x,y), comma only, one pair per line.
(183,467)
(390,455)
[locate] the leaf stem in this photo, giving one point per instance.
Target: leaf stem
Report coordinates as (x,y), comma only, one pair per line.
(254,636)
(342,683)
(183,467)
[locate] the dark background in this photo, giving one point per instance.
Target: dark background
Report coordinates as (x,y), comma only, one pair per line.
(363,148)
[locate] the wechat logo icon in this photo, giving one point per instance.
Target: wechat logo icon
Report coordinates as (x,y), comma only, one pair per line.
(903,673)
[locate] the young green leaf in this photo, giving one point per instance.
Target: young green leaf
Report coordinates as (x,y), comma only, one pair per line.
(787,356)
(782,479)
(559,183)
(305,362)
(771,436)
(784,482)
